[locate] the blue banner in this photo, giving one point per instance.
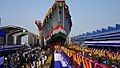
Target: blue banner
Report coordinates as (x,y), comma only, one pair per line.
(2,33)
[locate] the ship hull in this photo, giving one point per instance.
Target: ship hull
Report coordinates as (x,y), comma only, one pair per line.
(57,38)
(57,24)
(57,35)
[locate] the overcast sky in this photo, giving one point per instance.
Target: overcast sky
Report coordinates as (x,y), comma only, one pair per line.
(87,15)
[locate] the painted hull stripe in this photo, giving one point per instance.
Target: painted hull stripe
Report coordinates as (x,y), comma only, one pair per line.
(56,28)
(56,35)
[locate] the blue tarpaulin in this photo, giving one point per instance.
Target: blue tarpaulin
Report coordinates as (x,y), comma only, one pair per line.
(2,62)
(57,64)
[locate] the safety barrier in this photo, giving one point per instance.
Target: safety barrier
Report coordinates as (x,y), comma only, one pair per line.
(75,59)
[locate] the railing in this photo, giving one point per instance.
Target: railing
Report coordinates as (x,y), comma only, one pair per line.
(10,47)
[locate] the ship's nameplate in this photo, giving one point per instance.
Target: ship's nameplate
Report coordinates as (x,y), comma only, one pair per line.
(59,0)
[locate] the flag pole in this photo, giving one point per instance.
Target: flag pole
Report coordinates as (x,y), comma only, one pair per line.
(63,16)
(0,21)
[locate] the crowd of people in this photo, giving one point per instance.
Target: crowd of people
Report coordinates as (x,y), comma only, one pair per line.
(34,59)
(12,60)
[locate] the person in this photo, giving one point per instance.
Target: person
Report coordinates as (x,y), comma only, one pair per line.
(83,53)
(21,60)
(33,60)
(10,65)
(40,58)
(43,59)
(117,63)
(8,60)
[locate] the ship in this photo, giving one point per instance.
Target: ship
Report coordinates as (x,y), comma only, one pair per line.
(57,23)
